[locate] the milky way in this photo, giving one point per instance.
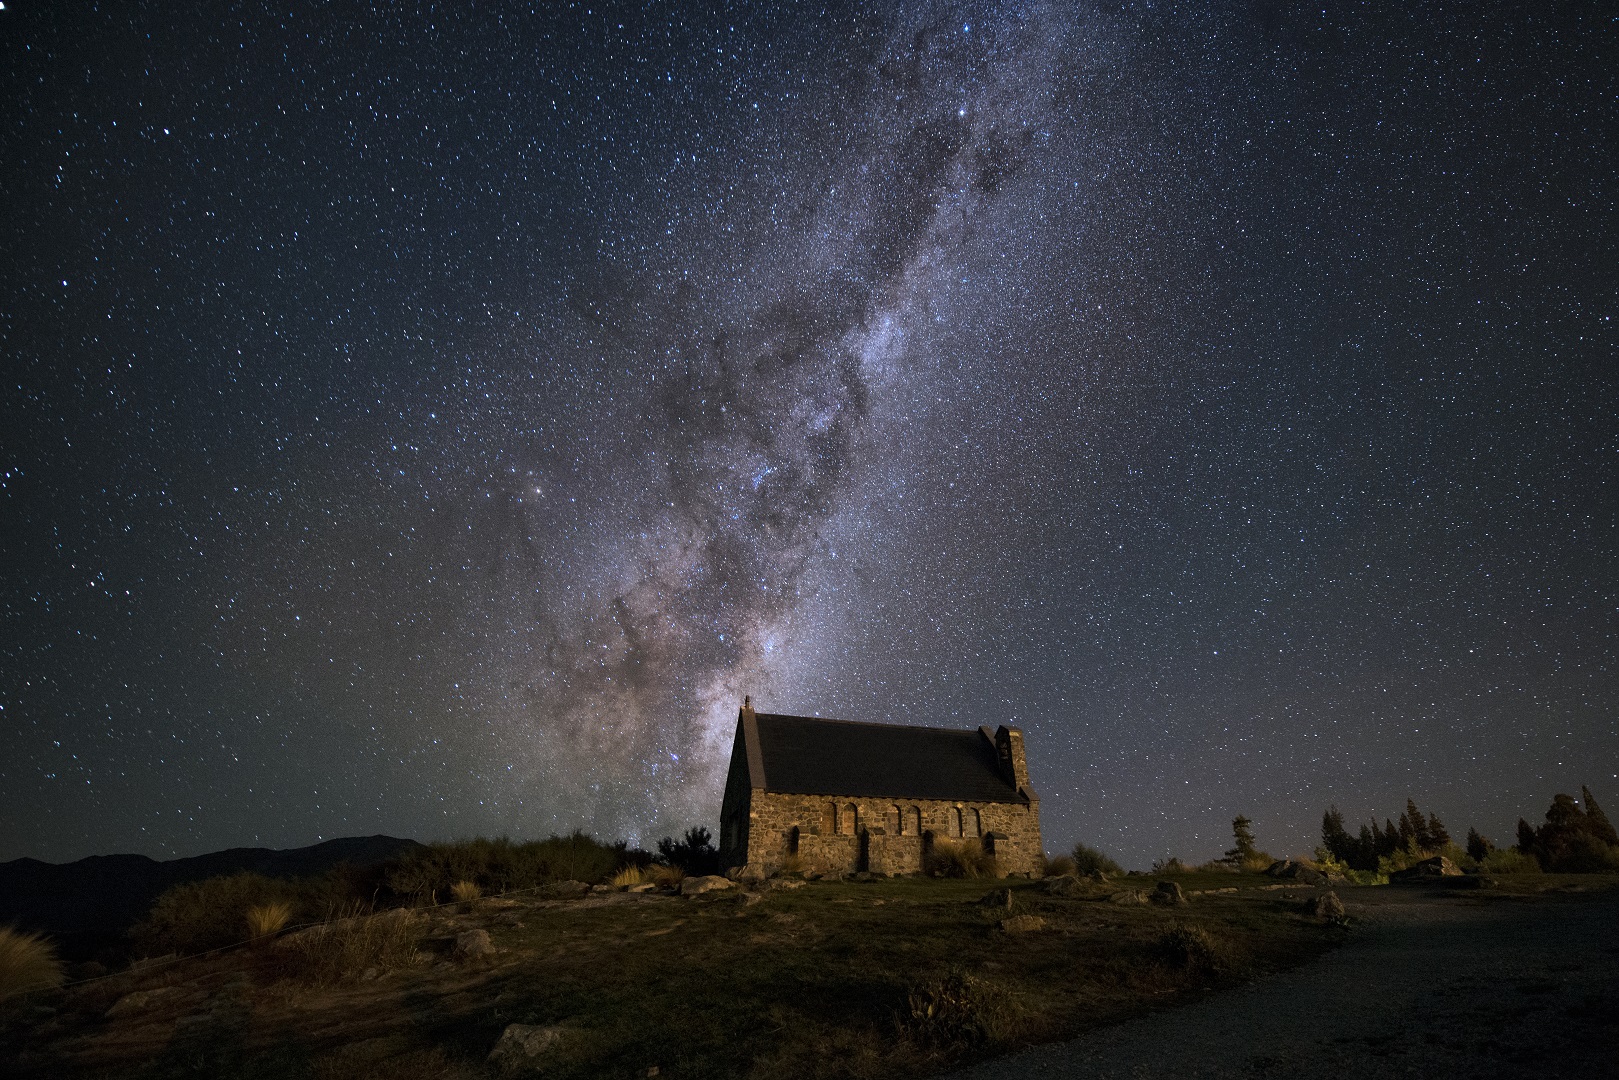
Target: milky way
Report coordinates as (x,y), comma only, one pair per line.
(433,422)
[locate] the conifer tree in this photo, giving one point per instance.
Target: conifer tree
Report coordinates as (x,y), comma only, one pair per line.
(1335,838)
(1438,835)
(1243,833)
(1477,846)
(1596,822)
(1391,838)
(1526,837)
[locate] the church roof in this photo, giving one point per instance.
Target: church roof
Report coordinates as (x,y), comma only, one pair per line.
(804,755)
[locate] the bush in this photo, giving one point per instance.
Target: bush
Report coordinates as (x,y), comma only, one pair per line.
(1088,860)
(345,948)
(1583,853)
(1171,865)
(695,853)
(27,962)
(203,915)
(1509,861)
(266,919)
(1188,948)
(629,875)
(667,876)
(1061,866)
(499,865)
(966,859)
(959,1010)
(464,891)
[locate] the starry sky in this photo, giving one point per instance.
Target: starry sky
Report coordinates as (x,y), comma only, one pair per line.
(432,419)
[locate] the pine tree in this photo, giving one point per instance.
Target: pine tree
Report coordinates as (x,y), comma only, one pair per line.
(1477,846)
(1335,838)
(1243,833)
(1392,840)
(1526,837)
(1366,849)
(1438,835)
(1596,822)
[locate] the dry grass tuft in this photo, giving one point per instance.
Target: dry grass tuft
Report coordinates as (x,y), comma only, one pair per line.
(792,866)
(266,919)
(1061,866)
(463,891)
(343,950)
(27,962)
(960,1010)
(1189,948)
(963,859)
(629,875)
(670,876)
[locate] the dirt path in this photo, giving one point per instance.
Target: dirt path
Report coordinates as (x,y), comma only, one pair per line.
(1459,985)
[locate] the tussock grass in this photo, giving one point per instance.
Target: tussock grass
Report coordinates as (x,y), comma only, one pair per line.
(960,859)
(1087,860)
(464,891)
(344,949)
(667,876)
(792,866)
(1189,948)
(266,919)
(28,962)
(960,1011)
(205,915)
(1061,866)
(628,876)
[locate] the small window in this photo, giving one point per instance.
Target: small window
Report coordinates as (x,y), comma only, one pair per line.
(915,814)
(978,823)
(792,840)
(896,821)
(829,819)
(850,824)
(955,821)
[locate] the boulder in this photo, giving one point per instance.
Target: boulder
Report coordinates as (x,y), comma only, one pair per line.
(1427,870)
(1325,906)
(644,887)
(565,890)
(520,1044)
(698,886)
(1064,885)
(997,898)
(1022,924)
(471,944)
(1296,871)
(1129,896)
(139,1000)
(1167,893)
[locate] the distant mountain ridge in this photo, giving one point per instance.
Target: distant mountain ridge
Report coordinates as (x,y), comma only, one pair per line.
(98,898)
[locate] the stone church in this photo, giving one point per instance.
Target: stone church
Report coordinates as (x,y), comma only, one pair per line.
(848,796)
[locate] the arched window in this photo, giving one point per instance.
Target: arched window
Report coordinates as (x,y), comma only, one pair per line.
(829,819)
(978,823)
(915,815)
(850,822)
(955,821)
(896,821)
(792,840)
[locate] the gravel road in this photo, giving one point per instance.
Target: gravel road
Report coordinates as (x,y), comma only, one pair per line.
(1431,985)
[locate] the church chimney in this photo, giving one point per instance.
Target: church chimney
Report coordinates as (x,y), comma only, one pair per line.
(1009,747)
(747,707)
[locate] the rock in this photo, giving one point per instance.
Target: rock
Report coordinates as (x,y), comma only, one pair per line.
(644,887)
(470,944)
(697,886)
(1212,892)
(1167,893)
(1098,875)
(786,883)
(565,890)
(1022,924)
(997,898)
(1296,871)
(1325,906)
(139,1000)
(1129,896)
(520,1044)
(1064,885)
(863,875)
(1427,870)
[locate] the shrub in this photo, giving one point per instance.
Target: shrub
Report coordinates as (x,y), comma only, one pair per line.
(265,919)
(1061,866)
(695,853)
(629,875)
(1189,948)
(1171,865)
(1088,860)
(1509,861)
(464,891)
(1583,853)
(500,865)
(346,947)
(959,1010)
(203,915)
(27,962)
(966,859)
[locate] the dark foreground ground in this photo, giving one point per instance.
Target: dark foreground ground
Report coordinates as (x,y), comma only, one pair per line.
(1431,984)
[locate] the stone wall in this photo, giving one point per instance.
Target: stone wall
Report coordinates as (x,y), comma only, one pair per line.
(841,835)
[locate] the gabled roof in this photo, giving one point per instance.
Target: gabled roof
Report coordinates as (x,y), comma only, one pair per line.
(803,755)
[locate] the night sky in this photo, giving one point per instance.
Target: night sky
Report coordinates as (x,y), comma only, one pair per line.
(432,421)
